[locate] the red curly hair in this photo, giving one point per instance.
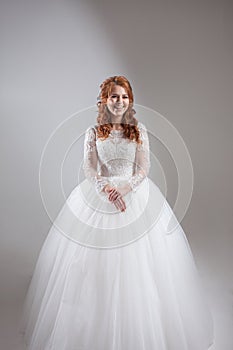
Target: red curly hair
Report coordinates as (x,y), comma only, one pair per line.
(129,122)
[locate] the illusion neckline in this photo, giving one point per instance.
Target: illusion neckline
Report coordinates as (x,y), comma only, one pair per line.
(115,130)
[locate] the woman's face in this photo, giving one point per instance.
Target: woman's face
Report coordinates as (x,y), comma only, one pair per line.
(118,101)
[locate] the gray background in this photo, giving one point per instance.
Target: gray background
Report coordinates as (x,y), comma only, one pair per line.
(178,56)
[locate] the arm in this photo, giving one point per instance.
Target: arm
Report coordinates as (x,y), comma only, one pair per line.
(90,160)
(142,166)
(142,159)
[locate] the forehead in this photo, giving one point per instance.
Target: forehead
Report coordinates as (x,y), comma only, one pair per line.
(117,89)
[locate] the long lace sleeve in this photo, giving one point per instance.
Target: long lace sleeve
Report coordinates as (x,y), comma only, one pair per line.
(90,160)
(142,159)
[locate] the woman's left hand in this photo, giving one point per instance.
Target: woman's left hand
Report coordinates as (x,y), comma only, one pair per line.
(119,191)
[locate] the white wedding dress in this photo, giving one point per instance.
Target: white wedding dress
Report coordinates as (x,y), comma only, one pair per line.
(112,280)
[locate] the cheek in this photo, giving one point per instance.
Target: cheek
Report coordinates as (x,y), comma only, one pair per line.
(110,105)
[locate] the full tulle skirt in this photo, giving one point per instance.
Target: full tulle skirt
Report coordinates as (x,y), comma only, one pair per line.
(111,280)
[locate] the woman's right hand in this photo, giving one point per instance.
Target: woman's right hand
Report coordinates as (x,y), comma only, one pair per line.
(119,201)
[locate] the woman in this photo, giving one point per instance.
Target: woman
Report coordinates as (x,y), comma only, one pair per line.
(109,276)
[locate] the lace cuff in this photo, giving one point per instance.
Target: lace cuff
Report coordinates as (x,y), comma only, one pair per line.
(142,160)
(90,161)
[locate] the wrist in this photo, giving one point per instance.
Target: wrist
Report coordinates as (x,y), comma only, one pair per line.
(105,188)
(128,187)
(125,189)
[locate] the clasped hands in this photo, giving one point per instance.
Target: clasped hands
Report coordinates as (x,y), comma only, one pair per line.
(115,195)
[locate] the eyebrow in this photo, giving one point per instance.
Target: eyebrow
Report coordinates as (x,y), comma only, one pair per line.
(113,93)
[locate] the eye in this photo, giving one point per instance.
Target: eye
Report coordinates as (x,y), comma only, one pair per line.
(115,96)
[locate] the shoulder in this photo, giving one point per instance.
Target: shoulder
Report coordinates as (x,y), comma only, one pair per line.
(90,132)
(141,127)
(143,136)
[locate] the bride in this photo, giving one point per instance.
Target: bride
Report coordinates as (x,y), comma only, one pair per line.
(108,276)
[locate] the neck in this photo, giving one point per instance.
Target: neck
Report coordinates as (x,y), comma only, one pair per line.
(116,126)
(116,120)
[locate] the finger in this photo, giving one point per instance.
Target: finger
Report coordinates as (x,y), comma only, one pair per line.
(110,193)
(113,196)
(111,189)
(124,204)
(121,204)
(117,205)
(121,200)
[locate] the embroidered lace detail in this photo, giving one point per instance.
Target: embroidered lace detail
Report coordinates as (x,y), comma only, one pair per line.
(115,156)
(142,159)
(90,160)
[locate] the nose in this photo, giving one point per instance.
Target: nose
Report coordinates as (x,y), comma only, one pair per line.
(120,98)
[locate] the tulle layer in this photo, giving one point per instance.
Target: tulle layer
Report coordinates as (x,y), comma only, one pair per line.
(91,220)
(143,295)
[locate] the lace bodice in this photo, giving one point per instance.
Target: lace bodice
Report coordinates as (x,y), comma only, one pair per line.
(116,156)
